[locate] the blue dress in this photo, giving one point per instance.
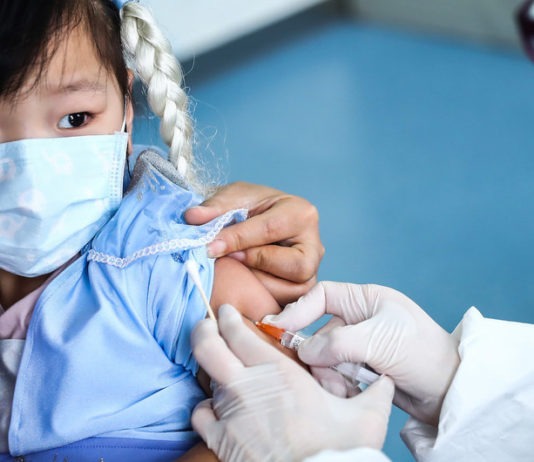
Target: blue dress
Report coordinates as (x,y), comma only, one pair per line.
(107,371)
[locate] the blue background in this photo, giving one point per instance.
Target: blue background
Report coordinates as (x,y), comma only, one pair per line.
(417,151)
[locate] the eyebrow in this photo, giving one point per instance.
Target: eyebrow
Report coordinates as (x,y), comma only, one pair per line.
(81,85)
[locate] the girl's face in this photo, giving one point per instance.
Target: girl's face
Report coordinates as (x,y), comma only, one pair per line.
(76,96)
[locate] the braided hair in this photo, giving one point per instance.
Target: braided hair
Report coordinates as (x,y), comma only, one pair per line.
(150,54)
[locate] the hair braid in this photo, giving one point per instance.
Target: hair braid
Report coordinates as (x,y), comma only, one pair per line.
(151,54)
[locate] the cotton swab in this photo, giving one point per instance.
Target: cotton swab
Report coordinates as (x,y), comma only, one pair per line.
(191,266)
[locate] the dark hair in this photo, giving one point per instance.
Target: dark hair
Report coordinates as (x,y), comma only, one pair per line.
(31,32)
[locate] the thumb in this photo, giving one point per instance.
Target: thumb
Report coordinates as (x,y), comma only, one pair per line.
(374,404)
(232,196)
(341,344)
(379,395)
(201,214)
(307,309)
(203,419)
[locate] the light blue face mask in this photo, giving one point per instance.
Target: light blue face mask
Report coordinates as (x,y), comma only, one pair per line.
(55,194)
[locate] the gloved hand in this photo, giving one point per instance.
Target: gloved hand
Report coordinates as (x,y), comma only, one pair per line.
(267,407)
(383,328)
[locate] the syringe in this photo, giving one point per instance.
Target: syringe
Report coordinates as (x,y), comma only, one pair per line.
(355,373)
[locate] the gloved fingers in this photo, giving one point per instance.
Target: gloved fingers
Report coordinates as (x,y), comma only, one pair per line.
(252,395)
(338,345)
(380,395)
(355,303)
(213,354)
(375,404)
(351,302)
(303,312)
(332,381)
(204,419)
(243,342)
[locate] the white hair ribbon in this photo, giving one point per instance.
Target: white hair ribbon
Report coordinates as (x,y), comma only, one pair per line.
(120,3)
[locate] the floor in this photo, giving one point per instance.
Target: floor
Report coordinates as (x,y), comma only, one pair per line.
(417,151)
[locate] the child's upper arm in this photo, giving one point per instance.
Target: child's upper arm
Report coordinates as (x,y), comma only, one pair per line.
(237,285)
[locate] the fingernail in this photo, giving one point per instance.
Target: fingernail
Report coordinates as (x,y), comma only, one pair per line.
(239,256)
(196,207)
(216,248)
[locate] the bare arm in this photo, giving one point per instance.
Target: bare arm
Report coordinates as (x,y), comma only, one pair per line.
(238,285)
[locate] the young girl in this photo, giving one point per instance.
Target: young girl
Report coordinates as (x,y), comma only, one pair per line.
(96,309)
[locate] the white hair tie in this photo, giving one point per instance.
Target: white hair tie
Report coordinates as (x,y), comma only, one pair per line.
(120,3)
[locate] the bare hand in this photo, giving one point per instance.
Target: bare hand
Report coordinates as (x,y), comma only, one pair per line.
(280,241)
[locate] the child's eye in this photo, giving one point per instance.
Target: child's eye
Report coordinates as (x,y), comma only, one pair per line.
(74,120)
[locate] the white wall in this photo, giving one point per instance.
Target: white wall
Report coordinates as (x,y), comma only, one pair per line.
(196,26)
(489,21)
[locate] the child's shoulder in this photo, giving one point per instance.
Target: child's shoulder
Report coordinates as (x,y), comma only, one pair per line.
(150,219)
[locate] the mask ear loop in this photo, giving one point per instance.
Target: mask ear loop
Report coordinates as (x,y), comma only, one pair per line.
(124,129)
(123,126)
(127,171)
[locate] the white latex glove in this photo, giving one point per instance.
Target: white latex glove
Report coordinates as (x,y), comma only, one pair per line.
(383,328)
(267,407)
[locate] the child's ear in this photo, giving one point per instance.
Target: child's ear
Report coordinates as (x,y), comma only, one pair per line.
(130,111)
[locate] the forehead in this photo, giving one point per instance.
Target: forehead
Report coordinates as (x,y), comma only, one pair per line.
(73,63)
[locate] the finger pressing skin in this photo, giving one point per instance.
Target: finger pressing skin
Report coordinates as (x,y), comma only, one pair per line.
(282,290)
(211,351)
(244,343)
(297,263)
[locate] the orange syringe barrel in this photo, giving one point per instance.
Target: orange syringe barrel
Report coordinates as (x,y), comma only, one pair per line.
(272,331)
(286,338)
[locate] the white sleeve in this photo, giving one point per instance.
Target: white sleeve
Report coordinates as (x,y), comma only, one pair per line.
(488,413)
(353,455)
